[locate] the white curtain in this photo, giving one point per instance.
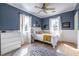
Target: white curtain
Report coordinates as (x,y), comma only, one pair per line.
(55,29)
(25,28)
(55,26)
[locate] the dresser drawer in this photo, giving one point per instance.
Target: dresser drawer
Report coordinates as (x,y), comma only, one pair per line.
(10,35)
(7,45)
(9,40)
(10,48)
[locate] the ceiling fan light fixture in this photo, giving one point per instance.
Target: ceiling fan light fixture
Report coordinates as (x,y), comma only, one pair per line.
(45,9)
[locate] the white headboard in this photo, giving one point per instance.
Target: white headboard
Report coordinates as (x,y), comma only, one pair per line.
(36,29)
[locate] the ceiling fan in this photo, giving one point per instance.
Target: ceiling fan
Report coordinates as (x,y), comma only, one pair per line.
(45,8)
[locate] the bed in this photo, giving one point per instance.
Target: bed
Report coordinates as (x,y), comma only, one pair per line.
(39,35)
(43,37)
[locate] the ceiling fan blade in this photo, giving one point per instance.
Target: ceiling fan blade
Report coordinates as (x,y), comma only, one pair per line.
(39,11)
(37,7)
(50,8)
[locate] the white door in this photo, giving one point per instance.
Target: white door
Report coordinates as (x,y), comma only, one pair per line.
(25,28)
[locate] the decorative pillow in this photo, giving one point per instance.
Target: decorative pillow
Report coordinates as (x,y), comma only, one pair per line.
(38,32)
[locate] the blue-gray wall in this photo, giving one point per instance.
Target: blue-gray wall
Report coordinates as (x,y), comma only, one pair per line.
(65,17)
(10,17)
(36,21)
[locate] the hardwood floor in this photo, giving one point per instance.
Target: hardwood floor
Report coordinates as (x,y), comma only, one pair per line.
(66,48)
(68,43)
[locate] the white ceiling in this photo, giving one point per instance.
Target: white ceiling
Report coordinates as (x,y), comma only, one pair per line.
(30,8)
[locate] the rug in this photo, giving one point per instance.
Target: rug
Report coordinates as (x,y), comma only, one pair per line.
(34,50)
(38,50)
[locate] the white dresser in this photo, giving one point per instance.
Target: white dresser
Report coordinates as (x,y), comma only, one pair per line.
(10,40)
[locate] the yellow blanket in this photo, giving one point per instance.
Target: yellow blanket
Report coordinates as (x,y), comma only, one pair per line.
(47,38)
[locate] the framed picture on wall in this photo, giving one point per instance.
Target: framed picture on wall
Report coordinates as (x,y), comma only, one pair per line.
(45,26)
(66,25)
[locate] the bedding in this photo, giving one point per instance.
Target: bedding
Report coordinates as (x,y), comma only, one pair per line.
(39,37)
(38,34)
(43,37)
(47,38)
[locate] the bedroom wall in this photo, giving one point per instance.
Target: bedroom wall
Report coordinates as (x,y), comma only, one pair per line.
(65,17)
(66,34)
(10,17)
(36,21)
